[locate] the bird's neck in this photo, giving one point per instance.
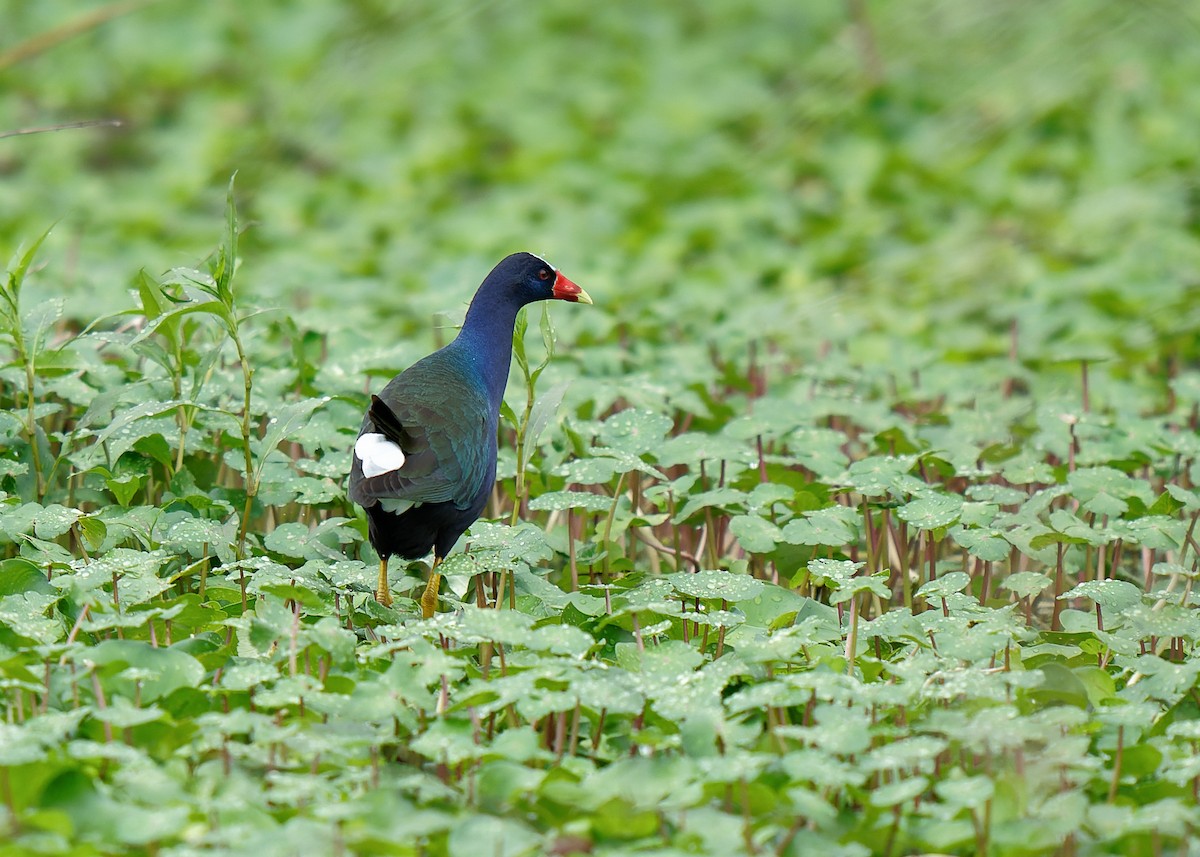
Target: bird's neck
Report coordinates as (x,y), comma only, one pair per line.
(486,341)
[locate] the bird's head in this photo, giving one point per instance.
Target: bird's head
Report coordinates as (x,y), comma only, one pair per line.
(534,279)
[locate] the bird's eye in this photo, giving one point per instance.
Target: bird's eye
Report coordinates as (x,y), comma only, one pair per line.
(543,274)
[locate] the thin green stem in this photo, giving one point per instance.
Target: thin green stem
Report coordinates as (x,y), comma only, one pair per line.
(31,424)
(251,479)
(522,424)
(608,524)
(519,488)
(181,415)
(852,636)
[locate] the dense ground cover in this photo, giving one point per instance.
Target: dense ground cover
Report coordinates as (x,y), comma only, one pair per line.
(858,516)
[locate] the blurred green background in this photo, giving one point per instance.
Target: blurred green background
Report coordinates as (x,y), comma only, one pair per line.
(744,169)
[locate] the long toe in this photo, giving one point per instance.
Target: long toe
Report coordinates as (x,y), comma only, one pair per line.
(429,598)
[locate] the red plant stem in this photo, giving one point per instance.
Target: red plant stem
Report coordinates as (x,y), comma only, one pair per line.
(1116,561)
(1055,620)
(574,740)
(902,550)
(1087,402)
(101,704)
(1013,340)
(1116,774)
(596,735)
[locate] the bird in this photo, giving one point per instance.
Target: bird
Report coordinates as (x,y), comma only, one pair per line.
(424,461)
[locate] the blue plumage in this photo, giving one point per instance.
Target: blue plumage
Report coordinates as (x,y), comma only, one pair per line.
(427,445)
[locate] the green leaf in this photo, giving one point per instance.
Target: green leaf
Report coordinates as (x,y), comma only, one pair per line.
(694,447)
(883,476)
(777,604)
(932,512)
(875,583)
(55,520)
(898,792)
(971,792)
(727,499)
(24,613)
(16,748)
(985,543)
(124,427)
(519,327)
(558,501)
(946,585)
(833,573)
(549,341)
(155,447)
(227,259)
(603,467)
(124,487)
(179,313)
(1114,595)
(833,526)
(36,326)
(723,585)
(18,521)
(634,431)
(1026,583)
(20,575)
(1060,686)
(1171,568)
(1045,540)
(198,536)
(281,426)
(753,533)
(247,674)
(544,408)
(163,670)
(122,713)
(509,415)
(17,271)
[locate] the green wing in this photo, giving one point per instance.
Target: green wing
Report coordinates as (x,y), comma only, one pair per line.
(444,427)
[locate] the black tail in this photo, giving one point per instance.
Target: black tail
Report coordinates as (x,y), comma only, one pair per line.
(406,535)
(414,533)
(389,424)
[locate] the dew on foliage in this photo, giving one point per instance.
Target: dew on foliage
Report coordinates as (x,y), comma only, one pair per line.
(722,585)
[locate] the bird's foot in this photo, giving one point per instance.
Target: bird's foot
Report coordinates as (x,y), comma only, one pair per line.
(382,594)
(429,598)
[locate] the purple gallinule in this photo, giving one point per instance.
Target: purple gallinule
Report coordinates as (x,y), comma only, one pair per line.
(425,459)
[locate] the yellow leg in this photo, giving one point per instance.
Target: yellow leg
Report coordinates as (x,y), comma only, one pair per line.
(429,599)
(382,595)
